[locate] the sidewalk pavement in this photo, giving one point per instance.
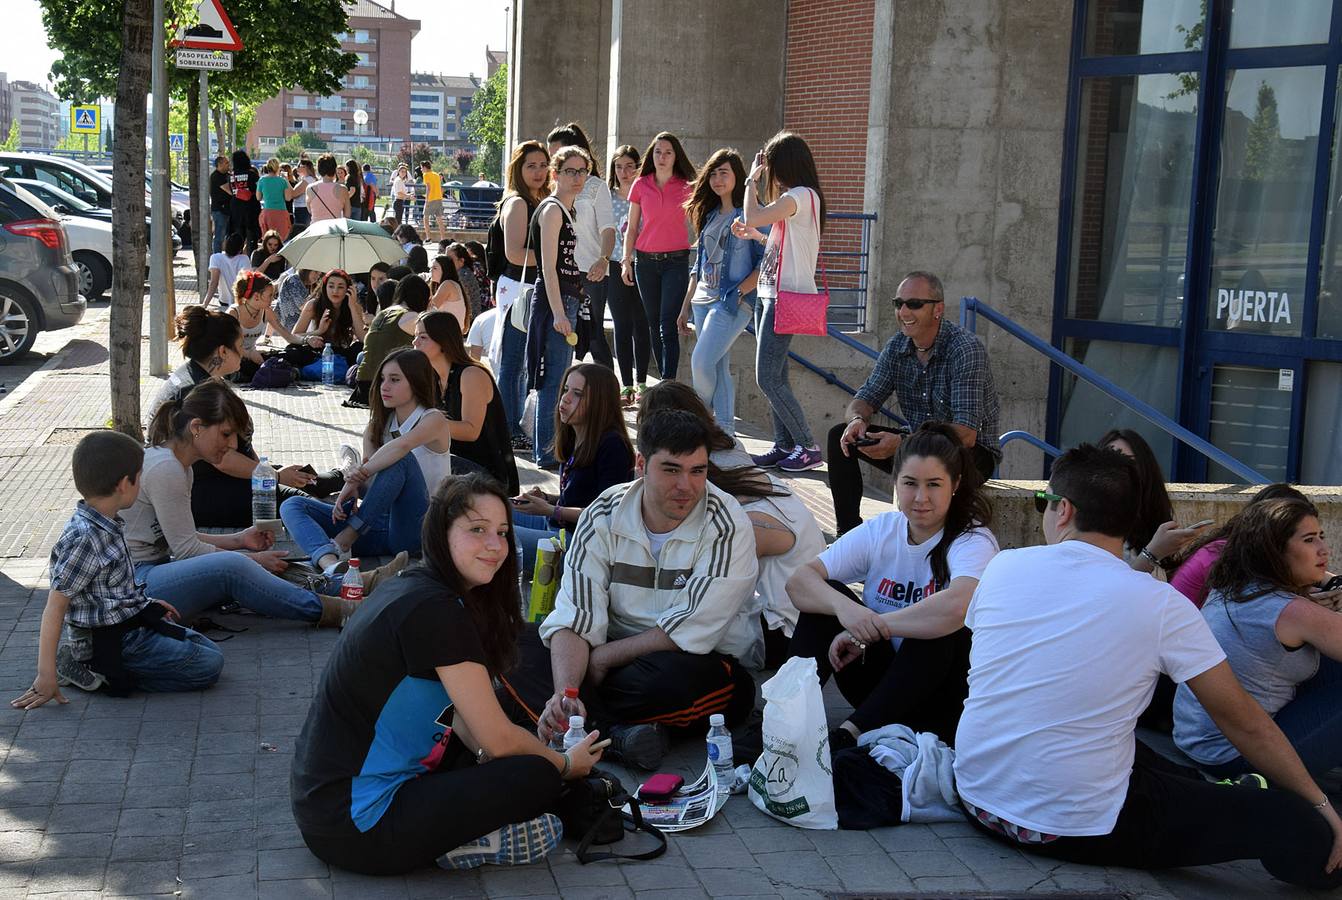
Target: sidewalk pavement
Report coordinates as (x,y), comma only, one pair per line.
(187,795)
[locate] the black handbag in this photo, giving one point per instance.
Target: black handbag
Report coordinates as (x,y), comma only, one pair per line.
(593,807)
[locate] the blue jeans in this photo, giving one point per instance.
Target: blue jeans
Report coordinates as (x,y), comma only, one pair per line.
(715,331)
(219,219)
(388,520)
(662,284)
(512,366)
(790,428)
(558,357)
(196,584)
(529,529)
(161,663)
(1312,722)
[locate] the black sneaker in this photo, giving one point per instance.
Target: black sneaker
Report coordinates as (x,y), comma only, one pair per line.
(72,672)
(641,746)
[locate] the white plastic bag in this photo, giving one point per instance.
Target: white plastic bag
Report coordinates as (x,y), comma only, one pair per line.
(792,780)
(529,415)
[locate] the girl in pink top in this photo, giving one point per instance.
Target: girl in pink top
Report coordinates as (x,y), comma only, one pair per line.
(657,243)
(327,199)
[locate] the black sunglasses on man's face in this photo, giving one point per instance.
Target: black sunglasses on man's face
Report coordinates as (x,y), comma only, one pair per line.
(914,305)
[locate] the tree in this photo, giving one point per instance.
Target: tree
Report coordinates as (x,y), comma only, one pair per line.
(413,156)
(462,159)
(486,123)
(104,50)
(1262,144)
(12,142)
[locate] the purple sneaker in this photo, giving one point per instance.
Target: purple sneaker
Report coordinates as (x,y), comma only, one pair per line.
(801,459)
(772,458)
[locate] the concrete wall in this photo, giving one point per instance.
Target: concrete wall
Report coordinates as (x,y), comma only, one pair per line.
(559,69)
(712,73)
(968,151)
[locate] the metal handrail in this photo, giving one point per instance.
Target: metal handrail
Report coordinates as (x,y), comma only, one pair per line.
(1009,436)
(972,307)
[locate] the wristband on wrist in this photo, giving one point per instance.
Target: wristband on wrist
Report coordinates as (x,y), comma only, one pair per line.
(1322,803)
(1149,556)
(855,418)
(568,764)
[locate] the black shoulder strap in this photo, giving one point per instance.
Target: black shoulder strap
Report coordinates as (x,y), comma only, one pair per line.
(633,823)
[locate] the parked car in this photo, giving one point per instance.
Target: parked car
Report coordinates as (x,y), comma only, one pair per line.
(38,282)
(76,178)
(68,204)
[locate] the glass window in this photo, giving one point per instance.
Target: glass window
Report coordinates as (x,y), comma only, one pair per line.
(1143,370)
(1321,461)
(360,36)
(1330,260)
(1272,23)
(298,123)
(1260,243)
(1124,27)
(1250,419)
(1134,171)
(300,102)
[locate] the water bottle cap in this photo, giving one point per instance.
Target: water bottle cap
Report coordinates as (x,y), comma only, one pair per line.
(571,693)
(716,720)
(354,564)
(265,459)
(575,721)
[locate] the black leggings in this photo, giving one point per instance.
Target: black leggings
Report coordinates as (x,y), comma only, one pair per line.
(922,684)
(442,810)
(633,342)
(596,342)
(1172,817)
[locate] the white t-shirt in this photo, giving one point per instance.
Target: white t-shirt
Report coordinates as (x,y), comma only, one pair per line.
(895,573)
(228,268)
(482,333)
(1068,643)
(593,213)
(802,235)
(301,200)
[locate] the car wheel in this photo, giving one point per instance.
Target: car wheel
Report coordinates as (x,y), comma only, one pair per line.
(18,325)
(95,275)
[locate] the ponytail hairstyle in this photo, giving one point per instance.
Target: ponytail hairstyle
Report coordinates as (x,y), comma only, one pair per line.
(418,373)
(789,164)
(703,202)
(493,607)
(201,332)
(601,415)
(210,402)
(969,507)
(251,282)
(739,481)
(1253,561)
(572,135)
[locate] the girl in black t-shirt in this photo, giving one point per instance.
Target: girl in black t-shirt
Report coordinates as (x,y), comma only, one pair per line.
(245,209)
(385,776)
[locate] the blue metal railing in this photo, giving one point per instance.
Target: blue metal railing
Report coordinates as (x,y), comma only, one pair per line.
(971,308)
(1009,436)
(848,284)
(463,206)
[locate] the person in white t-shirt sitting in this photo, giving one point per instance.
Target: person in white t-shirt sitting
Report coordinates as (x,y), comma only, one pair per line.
(224,270)
(934,547)
(1067,644)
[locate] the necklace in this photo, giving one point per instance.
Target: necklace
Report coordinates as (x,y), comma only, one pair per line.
(927,349)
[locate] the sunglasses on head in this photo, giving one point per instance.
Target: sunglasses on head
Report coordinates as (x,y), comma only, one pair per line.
(1042,499)
(914,305)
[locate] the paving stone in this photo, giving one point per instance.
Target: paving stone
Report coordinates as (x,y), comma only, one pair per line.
(295,889)
(799,869)
(843,843)
(276,865)
(161,821)
(873,872)
(215,863)
(224,764)
(645,877)
(725,852)
(167,772)
(99,772)
(144,847)
(76,844)
(435,883)
(740,880)
(948,883)
(67,874)
(221,787)
(71,817)
(229,887)
(523,881)
(149,796)
(929,862)
(142,878)
(352,886)
(768,840)
(572,875)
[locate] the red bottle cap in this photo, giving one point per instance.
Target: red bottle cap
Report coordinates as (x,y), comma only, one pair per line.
(571,693)
(354,564)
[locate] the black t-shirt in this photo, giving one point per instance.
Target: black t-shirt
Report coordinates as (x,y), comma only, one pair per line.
(218,196)
(244,187)
(381,716)
(274,270)
(570,276)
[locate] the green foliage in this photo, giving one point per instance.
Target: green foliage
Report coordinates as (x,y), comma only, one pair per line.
(297,143)
(12,142)
(413,156)
(486,124)
(279,51)
(1262,145)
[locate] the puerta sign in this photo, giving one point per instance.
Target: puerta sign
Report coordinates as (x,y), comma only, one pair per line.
(1267,310)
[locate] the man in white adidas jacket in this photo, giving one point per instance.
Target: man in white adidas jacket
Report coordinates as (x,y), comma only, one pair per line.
(649,622)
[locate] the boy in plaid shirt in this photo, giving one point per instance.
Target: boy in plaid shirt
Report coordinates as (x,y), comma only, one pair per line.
(118,636)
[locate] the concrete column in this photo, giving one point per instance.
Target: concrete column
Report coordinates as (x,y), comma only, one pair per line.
(558,68)
(712,73)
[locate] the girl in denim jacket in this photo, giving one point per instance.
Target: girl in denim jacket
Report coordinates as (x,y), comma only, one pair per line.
(721,293)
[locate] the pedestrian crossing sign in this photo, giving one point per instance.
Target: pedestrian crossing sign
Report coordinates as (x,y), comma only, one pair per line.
(177,143)
(85,119)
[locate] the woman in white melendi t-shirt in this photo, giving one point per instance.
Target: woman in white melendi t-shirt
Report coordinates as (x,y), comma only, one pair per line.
(936,545)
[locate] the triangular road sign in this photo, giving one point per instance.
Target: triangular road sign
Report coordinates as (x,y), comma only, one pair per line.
(84,119)
(213,30)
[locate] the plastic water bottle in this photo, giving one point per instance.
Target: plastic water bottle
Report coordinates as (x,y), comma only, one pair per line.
(566,706)
(351,592)
(522,583)
(720,752)
(264,482)
(328,366)
(575,734)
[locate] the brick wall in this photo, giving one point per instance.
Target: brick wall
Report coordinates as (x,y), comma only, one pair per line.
(827,87)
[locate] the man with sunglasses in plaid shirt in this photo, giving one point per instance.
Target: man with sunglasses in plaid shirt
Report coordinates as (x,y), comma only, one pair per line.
(938,371)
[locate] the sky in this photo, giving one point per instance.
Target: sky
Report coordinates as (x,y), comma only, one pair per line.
(450,44)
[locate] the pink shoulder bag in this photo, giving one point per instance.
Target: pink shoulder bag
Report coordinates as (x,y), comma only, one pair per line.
(797,312)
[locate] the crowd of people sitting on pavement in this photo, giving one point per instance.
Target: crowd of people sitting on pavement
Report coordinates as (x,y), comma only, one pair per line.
(690,567)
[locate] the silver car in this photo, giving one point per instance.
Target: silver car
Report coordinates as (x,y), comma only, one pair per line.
(38,281)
